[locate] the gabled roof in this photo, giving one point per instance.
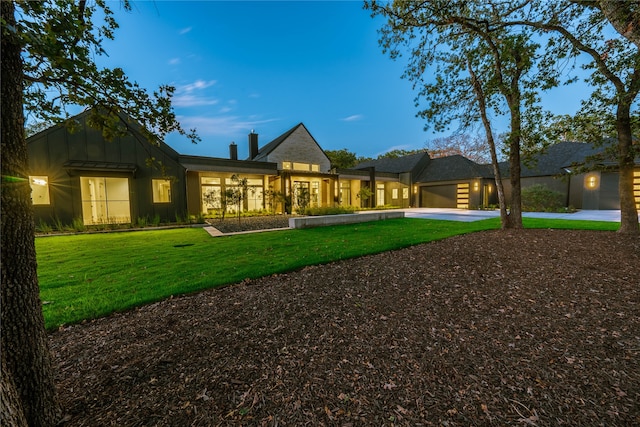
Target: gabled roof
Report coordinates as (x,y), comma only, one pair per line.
(265,150)
(133,127)
(395,165)
(557,157)
(452,168)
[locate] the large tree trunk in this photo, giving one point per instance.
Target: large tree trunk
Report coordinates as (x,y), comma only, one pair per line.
(625,18)
(24,339)
(515,211)
(482,106)
(626,155)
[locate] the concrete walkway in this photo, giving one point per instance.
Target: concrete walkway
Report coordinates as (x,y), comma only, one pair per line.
(477,215)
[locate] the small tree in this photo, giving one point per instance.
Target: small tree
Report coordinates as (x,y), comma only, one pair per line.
(303,199)
(272,199)
(364,195)
(237,194)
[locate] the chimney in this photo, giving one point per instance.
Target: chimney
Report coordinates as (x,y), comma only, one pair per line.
(253,145)
(233,151)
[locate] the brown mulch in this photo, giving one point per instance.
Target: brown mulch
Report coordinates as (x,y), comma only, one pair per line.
(529,328)
(232,225)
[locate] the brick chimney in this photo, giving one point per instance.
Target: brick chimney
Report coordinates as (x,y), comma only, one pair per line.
(253,145)
(233,151)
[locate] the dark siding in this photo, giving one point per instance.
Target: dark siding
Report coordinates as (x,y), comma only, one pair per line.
(193,193)
(51,149)
(609,192)
(576,189)
(76,145)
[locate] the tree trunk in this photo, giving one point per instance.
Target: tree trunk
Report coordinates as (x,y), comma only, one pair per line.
(11,412)
(626,157)
(24,339)
(482,106)
(625,18)
(515,211)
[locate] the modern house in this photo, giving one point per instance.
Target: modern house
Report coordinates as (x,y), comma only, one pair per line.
(83,176)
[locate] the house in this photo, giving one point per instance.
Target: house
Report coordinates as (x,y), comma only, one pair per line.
(81,176)
(561,167)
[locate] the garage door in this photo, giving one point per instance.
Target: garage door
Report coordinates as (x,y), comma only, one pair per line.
(439,196)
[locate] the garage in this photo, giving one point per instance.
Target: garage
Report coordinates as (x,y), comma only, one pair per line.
(439,196)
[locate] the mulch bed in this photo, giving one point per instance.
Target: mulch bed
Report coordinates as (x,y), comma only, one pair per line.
(528,328)
(232,225)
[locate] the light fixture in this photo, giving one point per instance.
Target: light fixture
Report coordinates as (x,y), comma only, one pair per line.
(476,186)
(592,181)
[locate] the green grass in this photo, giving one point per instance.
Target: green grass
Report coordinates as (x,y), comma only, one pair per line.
(89,276)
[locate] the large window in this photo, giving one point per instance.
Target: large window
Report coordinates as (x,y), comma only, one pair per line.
(345,193)
(39,190)
(105,200)
(211,194)
(299,166)
(462,196)
(380,194)
(161,190)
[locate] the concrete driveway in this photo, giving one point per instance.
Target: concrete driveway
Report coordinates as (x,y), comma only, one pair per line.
(477,215)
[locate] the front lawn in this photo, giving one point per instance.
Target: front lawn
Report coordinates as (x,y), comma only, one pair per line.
(88,276)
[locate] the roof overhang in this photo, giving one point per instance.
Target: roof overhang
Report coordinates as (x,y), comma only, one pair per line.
(77,167)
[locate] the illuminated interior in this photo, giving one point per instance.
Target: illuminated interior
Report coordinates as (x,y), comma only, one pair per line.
(463,196)
(39,190)
(161,190)
(105,200)
(636,187)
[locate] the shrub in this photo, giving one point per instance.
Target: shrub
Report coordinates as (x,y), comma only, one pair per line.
(335,210)
(78,224)
(57,224)
(44,227)
(540,198)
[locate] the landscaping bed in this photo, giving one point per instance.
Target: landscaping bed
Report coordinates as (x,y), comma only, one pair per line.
(232,225)
(536,327)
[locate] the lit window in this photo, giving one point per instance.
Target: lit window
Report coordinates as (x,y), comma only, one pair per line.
(105,200)
(405,193)
(39,190)
(315,168)
(301,166)
(286,165)
(394,193)
(207,180)
(161,190)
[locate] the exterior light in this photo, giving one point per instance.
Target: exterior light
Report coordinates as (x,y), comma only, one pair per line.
(415,189)
(476,186)
(592,181)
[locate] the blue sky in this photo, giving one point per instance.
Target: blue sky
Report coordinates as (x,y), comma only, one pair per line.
(268,66)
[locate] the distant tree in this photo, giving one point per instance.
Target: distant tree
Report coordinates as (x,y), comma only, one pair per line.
(394,154)
(587,127)
(342,159)
(48,63)
(35,127)
(474,148)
